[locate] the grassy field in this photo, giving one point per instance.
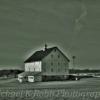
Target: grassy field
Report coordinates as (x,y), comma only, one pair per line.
(84,89)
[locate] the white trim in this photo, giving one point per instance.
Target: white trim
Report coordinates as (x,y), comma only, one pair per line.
(33,66)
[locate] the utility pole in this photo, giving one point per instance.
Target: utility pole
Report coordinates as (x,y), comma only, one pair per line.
(73,57)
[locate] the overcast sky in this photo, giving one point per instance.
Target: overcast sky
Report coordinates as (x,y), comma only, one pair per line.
(73,25)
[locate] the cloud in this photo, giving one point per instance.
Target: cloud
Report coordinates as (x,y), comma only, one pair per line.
(78,25)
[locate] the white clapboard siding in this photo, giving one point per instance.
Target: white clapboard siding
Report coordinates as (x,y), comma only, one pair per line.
(33,66)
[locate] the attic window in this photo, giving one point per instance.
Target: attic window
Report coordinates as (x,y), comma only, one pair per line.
(55,50)
(58,56)
(51,56)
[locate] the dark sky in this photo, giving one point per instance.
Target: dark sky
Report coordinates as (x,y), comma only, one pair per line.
(73,25)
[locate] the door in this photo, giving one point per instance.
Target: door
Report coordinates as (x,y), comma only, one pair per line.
(30,78)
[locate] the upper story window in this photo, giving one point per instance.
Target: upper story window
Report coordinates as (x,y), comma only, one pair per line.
(51,69)
(66,69)
(45,64)
(34,69)
(65,64)
(52,56)
(58,56)
(58,63)
(44,69)
(28,69)
(55,50)
(51,63)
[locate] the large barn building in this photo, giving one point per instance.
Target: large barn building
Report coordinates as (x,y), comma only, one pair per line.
(44,65)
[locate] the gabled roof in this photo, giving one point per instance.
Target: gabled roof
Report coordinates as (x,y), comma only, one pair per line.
(39,55)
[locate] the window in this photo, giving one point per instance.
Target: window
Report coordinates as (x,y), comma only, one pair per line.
(34,69)
(58,63)
(44,64)
(55,50)
(28,68)
(65,64)
(51,69)
(44,69)
(51,56)
(58,70)
(51,63)
(65,69)
(31,77)
(58,56)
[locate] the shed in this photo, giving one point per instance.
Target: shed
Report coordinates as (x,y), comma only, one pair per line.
(29,76)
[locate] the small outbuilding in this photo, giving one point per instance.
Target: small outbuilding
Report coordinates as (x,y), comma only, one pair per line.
(29,77)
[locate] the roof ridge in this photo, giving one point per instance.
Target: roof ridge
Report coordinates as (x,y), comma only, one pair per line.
(39,55)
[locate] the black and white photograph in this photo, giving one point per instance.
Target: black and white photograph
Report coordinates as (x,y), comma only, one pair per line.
(49,50)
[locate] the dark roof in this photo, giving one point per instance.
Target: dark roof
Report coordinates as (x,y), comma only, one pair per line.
(25,74)
(39,55)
